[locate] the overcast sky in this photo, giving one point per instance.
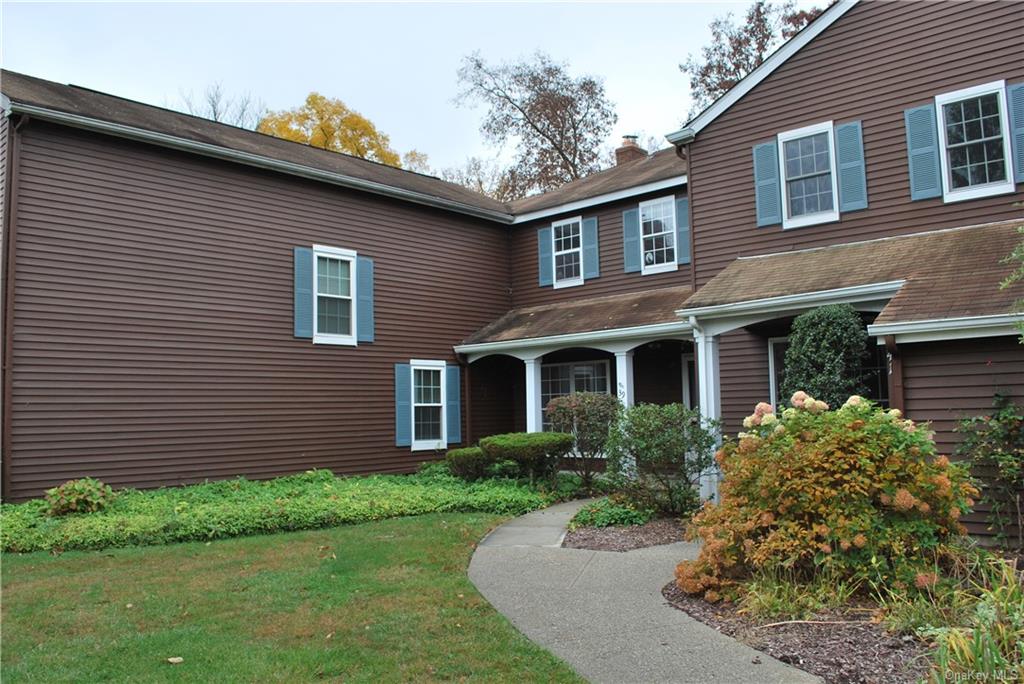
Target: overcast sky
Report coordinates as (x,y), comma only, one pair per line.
(394,63)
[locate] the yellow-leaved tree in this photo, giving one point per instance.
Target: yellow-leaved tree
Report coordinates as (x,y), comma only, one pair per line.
(328,123)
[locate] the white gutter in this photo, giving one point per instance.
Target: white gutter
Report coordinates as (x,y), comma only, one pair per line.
(800,301)
(964,327)
(601,199)
(259,161)
(614,335)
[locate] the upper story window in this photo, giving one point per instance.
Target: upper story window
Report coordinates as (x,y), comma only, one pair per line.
(335,315)
(808,170)
(973,134)
(658,235)
(567,249)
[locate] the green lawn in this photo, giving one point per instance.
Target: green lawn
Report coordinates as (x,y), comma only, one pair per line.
(379,601)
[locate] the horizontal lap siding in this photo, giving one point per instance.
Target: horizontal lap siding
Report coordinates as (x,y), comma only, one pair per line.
(613,279)
(878,60)
(153,331)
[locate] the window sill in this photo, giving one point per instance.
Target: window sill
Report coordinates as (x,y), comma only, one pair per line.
(978,192)
(428,446)
(810,220)
(337,340)
(660,268)
(558,285)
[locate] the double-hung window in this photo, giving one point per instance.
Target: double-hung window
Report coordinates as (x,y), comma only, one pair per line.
(428,405)
(560,379)
(658,235)
(973,132)
(335,293)
(567,249)
(808,170)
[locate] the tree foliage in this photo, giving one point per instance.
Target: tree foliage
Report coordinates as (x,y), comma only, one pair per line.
(556,121)
(737,49)
(826,352)
(216,104)
(486,176)
(328,123)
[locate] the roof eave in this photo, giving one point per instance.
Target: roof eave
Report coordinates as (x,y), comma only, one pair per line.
(255,160)
(937,329)
(624,193)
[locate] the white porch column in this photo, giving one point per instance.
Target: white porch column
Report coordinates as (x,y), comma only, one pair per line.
(710,398)
(624,376)
(534,411)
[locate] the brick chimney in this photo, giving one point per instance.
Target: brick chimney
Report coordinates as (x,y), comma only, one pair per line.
(629,151)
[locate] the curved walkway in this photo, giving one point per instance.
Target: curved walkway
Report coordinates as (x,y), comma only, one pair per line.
(603,612)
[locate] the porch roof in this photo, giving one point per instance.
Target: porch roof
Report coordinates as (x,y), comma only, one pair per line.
(632,310)
(947,274)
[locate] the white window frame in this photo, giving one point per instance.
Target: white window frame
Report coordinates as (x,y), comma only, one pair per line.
(773,389)
(976,191)
(668,266)
(821,216)
(572,377)
(428,444)
(567,282)
(344,255)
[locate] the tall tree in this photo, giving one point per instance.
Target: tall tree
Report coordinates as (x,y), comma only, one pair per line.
(557,121)
(417,161)
(736,50)
(487,177)
(216,104)
(328,123)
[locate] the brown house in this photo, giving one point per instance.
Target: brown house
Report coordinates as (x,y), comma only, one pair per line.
(185,300)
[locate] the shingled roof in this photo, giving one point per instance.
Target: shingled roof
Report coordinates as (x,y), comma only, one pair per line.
(949,273)
(585,315)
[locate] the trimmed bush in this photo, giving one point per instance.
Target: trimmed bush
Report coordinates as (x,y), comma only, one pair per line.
(658,453)
(588,417)
(826,354)
(607,512)
(537,453)
(233,508)
(856,492)
(469,463)
(86,495)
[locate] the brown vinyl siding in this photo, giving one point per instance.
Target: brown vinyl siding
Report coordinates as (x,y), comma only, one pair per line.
(878,60)
(153,330)
(613,279)
(743,376)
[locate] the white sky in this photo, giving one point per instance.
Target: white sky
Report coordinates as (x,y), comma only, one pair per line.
(394,63)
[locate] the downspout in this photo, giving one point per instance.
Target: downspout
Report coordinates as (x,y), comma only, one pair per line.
(895,373)
(10,236)
(683,152)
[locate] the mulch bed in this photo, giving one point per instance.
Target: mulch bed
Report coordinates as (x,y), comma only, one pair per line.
(861,653)
(625,538)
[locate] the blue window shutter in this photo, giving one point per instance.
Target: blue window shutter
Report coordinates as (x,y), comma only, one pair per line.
(631,240)
(1015,103)
(683,230)
(923,153)
(853,185)
(403,405)
(767,187)
(545,259)
(453,403)
(364,299)
(303,303)
(591,252)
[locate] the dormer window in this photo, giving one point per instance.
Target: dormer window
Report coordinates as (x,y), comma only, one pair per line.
(808,170)
(973,134)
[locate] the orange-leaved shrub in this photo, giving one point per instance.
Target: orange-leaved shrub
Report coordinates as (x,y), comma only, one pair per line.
(857,492)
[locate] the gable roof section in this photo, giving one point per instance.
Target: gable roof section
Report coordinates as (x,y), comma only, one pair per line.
(947,274)
(763,71)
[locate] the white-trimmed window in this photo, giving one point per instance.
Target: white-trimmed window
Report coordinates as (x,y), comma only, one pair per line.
(807,166)
(975,143)
(334,293)
(567,248)
(428,405)
(658,235)
(560,379)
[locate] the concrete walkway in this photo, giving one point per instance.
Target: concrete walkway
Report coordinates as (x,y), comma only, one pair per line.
(602,611)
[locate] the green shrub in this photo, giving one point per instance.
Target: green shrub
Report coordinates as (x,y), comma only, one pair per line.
(826,352)
(588,417)
(658,453)
(241,507)
(469,463)
(86,495)
(995,446)
(537,453)
(856,492)
(607,512)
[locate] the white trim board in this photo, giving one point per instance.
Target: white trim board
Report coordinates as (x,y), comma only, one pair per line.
(937,329)
(774,61)
(802,300)
(672,182)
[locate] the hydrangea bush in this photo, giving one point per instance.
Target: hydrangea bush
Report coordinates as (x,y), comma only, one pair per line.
(857,492)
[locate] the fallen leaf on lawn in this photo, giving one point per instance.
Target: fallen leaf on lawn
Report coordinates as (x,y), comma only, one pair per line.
(329,635)
(128,605)
(175,660)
